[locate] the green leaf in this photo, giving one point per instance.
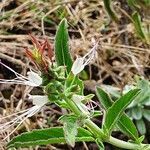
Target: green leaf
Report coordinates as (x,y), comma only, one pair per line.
(116,110)
(46,136)
(141,138)
(70,126)
(104,98)
(138,25)
(81,86)
(125,124)
(146,114)
(141,126)
(74,80)
(144,96)
(132,3)
(100,144)
(111,13)
(136,112)
(113,91)
(146,147)
(97,113)
(62,54)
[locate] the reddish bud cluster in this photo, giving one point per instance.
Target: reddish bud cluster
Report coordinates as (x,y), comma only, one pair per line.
(37,54)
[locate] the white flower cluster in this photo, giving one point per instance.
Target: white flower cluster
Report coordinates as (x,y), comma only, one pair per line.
(33,80)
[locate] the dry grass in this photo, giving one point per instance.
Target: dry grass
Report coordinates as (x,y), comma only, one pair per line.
(121,54)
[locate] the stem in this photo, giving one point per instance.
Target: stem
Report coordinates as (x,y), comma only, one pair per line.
(72,106)
(123,144)
(116,142)
(94,128)
(74,78)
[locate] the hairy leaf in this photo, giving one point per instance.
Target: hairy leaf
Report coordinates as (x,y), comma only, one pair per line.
(46,136)
(116,110)
(136,112)
(104,98)
(146,114)
(70,126)
(141,126)
(125,124)
(62,54)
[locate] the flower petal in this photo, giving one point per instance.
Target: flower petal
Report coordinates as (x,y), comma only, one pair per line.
(77,66)
(81,62)
(34,78)
(39,100)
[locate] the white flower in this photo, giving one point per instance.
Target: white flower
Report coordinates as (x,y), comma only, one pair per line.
(39,100)
(33,79)
(18,118)
(81,62)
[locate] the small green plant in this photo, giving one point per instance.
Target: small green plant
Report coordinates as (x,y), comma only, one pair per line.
(61,85)
(139,108)
(142,31)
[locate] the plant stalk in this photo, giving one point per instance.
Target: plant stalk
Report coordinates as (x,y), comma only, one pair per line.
(116,142)
(94,128)
(123,144)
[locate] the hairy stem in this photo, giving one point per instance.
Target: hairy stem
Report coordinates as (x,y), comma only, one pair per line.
(94,128)
(116,142)
(123,144)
